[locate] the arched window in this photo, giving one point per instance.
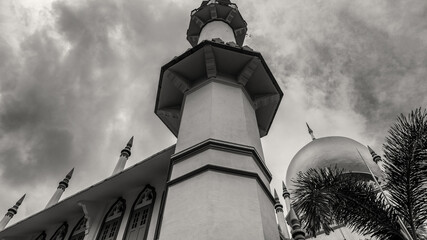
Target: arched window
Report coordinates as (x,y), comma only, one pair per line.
(42,236)
(139,220)
(111,224)
(60,232)
(79,230)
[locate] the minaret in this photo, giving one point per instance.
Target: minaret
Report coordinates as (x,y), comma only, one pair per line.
(310,132)
(124,156)
(60,190)
(293,221)
(280,215)
(10,213)
(375,157)
(287,196)
(219,98)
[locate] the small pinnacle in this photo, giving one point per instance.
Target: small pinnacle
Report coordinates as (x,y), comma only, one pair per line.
(19,202)
(374,155)
(130,143)
(70,174)
(310,131)
(276,197)
(285,191)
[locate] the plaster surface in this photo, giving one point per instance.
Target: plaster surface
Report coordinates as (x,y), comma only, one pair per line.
(215,205)
(217,29)
(120,165)
(219,158)
(55,198)
(219,111)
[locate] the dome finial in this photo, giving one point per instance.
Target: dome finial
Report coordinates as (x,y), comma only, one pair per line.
(310,131)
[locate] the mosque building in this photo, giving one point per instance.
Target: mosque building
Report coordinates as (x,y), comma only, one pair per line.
(218,98)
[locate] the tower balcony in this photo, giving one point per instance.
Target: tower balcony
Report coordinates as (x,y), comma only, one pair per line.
(216,61)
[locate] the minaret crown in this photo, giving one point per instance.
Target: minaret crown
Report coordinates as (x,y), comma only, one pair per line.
(293,221)
(126,151)
(216,19)
(64,183)
(13,210)
(277,205)
(310,131)
(374,155)
(285,193)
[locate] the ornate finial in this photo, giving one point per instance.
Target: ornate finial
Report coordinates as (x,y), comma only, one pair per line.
(19,202)
(13,210)
(70,174)
(64,183)
(126,151)
(310,131)
(293,221)
(285,194)
(130,143)
(277,205)
(375,157)
(276,197)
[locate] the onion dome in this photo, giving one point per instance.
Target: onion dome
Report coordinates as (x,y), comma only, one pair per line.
(330,152)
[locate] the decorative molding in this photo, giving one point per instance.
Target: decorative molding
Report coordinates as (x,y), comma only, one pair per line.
(224,146)
(210,61)
(248,71)
(226,170)
(179,81)
(230,16)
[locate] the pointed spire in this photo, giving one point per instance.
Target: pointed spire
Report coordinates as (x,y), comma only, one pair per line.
(130,143)
(375,157)
(293,221)
(285,193)
(19,202)
(13,210)
(277,205)
(64,183)
(70,174)
(310,131)
(276,197)
(126,151)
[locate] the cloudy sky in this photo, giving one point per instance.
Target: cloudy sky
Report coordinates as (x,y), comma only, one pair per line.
(78,79)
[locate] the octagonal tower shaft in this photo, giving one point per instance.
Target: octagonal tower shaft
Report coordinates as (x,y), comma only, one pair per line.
(218,99)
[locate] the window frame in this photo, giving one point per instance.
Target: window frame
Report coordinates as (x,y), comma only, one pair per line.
(64,224)
(150,212)
(75,227)
(120,219)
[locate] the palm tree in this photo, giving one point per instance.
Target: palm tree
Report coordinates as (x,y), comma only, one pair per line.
(327,196)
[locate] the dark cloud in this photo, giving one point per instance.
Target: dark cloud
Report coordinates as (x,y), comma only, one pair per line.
(80,78)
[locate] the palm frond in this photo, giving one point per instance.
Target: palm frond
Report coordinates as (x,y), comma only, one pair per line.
(405,152)
(327,196)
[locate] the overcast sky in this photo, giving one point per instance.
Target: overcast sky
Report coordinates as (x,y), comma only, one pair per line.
(78,79)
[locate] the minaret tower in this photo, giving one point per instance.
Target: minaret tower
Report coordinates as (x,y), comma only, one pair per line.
(124,156)
(310,132)
(218,99)
(280,216)
(293,221)
(10,213)
(60,190)
(287,196)
(374,155)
